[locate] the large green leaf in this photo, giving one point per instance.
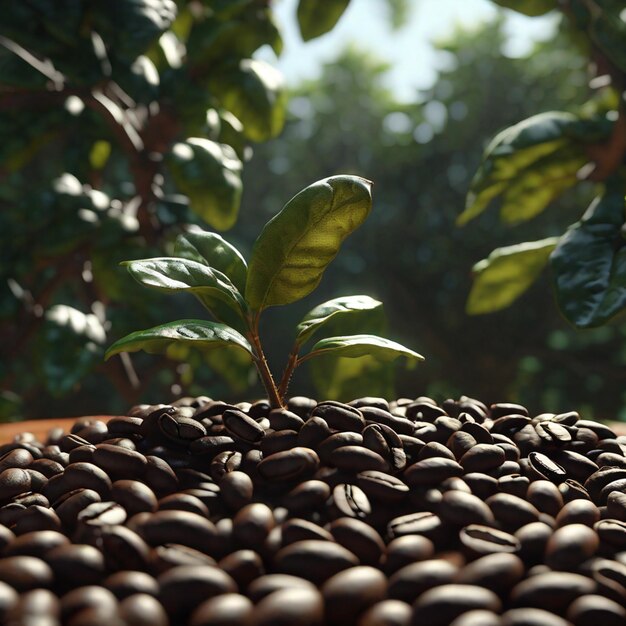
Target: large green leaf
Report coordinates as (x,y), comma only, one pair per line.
(554,138)
(506,274)
(589,264)
(209,173)
(321,315)
(214,289)
(608,31)
(529,7)
(538,185)
(316,18)
(213,250)
(196,333)
(354,346)
(295,247)
(253,91)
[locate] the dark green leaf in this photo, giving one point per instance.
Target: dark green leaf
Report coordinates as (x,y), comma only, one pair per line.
(608,31)
(212,250)
(211,287)
(316,18)
(529,7)
(196,333)
(354,346)
(253,92)
(506,274)
(323,313)
(589,264)
(209,173)
(295,247)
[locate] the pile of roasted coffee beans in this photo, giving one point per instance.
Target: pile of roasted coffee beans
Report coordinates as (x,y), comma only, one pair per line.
(368,513)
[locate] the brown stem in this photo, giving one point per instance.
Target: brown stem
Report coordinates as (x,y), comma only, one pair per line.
(292,363)
(260,361)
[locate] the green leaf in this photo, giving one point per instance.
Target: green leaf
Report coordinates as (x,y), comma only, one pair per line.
(354,346)
(295,247)
(214,289)
(506,274)
(316,18)
(528,7)
(536,186)
(608,31)
(338,307)
(253,91)
(589,264)
(554,138)
(209,173)
(196,333)
(213,250)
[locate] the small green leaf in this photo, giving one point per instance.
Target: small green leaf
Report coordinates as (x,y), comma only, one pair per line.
(589,264)
(253,91)
(316,18)
(209,173)
(506,274)
(529,7)
(196,333)
(295,247)
(213,250)
(323,313)
(214,289)
(354,346)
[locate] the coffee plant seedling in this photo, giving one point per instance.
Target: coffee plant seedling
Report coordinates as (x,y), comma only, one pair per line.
(288,260)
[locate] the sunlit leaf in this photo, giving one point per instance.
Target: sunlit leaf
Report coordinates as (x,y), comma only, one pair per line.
(211,287)
(316,18)
(506,274)
(209,173)
(295,247)
(354,346)
(197,333)
(214,251)
(253,91)
(589,264)
(321,315)
(529,7)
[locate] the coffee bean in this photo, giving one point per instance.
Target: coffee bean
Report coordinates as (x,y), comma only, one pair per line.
(129,582)
(443,604)
(289,464)
(24,573)
(533,539)
(296,529)
(39,606)
(340,416)
(529,616)
(578,512)
(252,524)
(387,613)
(423,523)
(102,514)
(134,496)
(184,587)
(169,555)
(9,599)
(230,609)
(595,609)
(612,532)
(14,481)
(431,471)
(477,617)
(243,566)
(76,564)
(551,591)
(511,511)
(360,538)
(499,572)
(282,419)
(242,427)
(480,540)
(290,607)
(412,580)
(545,497)
(267,584)
(461,509)
(35,543)
(308,496)
(383,440)
(407,549)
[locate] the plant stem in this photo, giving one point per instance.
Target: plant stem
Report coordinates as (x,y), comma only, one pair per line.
(260,361)
(292,362)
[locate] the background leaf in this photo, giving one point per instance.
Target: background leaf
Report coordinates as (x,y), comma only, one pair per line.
(209,173)
(295,247)
(197,333)
(213,250)
(589,264)
(528,7)
(506,274)
(322,314)
(317,18)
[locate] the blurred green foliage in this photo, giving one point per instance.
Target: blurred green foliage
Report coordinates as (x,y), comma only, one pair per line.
(111,117)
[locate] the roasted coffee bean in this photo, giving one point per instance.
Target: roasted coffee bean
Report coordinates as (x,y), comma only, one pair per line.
(87,597)
(76,564)
(232,609)
(349,593)
(86,475)
(102,514)
(169,555)
(224,462)
(119,462)
(481,485)
(424,411)
(533,539)
(123,549)
(19,457)
(336,441)
(356,458)
(282,419)
(134,496)
(423,523)
(14,481)
(314,431)
(290,607)
(142,609)
(478,617)
(551,591)
(616,506)
(460,442)
(129,582)
(47,467)
(296,529)
(515,485)
(381,486)
(360,538)
(434,449)
(546,468)
(125,426)
(383,440)
(529,616)
(314,560)
(243,566)
(578,512)
(39,606)
(269,583)
(242,427)
(545,496)
(308,496)
(573,490)
(412,580)
(183,502)
(278,441)
(35,518)
(36,543)
(461,509)
(211,445)
(595,609)
(431,471)
(500,409)
(387,613)
(499,572)
(289,464)
(483,457)
(351,501)
(511,511)
(69,442)
(184,587)
(340,416)
(236,489)
(570,546)
(443,604)
(252,524)
(480,540)
(612,532)
(553,433)
(159,476)
(24,573)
